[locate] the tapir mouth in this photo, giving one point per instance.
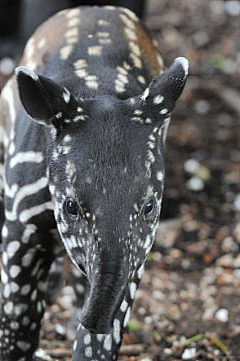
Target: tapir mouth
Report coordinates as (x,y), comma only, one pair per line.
(103,303)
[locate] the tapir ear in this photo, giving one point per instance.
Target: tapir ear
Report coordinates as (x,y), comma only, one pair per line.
(43,99)
(159,98)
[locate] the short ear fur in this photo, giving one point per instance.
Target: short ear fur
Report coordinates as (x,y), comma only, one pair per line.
(160,96)
(43,99)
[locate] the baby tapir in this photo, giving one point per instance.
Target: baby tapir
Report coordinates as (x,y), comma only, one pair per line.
(83,158)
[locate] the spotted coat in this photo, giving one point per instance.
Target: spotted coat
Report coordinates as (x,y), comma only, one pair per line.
(81,148)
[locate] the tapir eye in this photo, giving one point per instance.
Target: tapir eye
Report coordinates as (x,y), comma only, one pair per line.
(150,210)
(71,207)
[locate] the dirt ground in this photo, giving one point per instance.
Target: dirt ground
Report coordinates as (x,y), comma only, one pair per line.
(188,303)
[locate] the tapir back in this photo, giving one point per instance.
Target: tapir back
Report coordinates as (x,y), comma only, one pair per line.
(94,50)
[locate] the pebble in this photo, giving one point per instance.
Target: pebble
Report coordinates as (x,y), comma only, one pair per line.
(191,165)
(222,315)
(225,261)
(61,330)
(158,295)
(42,355)
(202,106)
(232,7)
(189,353)
(229,245)
(195,184)
(168,351)
(201,38)
(236,203)
(6,66)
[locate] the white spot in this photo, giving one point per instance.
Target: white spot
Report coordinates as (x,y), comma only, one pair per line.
(28,231)
(131,14)
(66,95)
(12,248)
(144,96)
(163,111)
(131,35)
(14,287)
(91,81)
(4,277)
(73,22)
(134,48)
(88,351)
(148,120)
(81,73)
(14,325)
(14,271)
(141,79)
(87,339)
(102,22)
(117,331)
(73,13)
(127,316)
(140,272)
(95,50)
(136,61)
(160,176)
(65,51)
(75,345)
(107,344)
(25,289)
(28,257)
(124,306)
(8,308)
(6,291)
(128,22)
(41,43)
(80,63)
(158,99)
(24,346)
(4,231)
(72,33)
(133,288)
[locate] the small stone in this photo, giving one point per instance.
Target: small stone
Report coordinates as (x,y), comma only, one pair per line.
(232,7)
(168,351)
(158,295)
(189,353)
(201,38)
(225,261)
(61,330)
(236,203)
(195,184)
(229,245)
(6,66)
(191,165)
(222,315)
(42,355)
(202,106)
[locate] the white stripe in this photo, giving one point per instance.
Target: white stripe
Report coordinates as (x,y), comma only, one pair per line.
(34,211)
(23,192)
(22,157)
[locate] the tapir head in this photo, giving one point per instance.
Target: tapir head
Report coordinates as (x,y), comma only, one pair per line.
(106,177)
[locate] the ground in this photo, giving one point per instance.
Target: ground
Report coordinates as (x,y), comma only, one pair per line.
(188,303)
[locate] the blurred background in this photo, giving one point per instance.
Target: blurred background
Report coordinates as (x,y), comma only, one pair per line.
(188,305)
